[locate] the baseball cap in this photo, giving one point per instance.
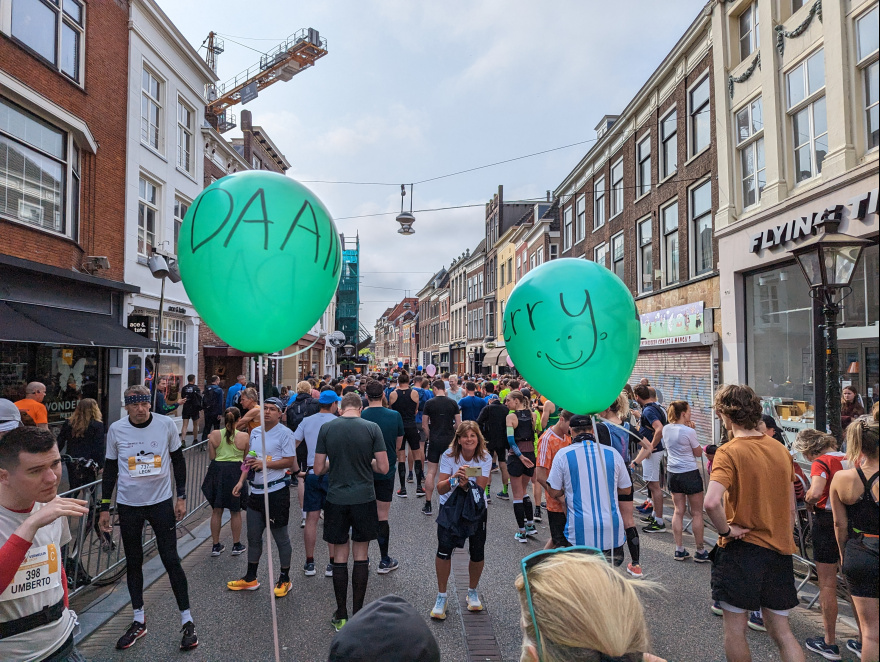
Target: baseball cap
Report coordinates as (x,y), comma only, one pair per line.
(581,421)
(8,411)
(328,397)
(275,402)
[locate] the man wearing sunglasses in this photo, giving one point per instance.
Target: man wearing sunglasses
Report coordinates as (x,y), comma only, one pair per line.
(581,474)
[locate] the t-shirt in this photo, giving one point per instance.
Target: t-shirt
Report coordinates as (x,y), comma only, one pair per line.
(143,455)
(442,412)
(650,413)
(549,445)
(503,394)
(680,440)
(592,513)
(29,593)
(425,394)
(279,443)
(391,424)
(758,475)
(36,410)
(471,406)
(826,466)
(448,465)
(350,444)
(307,431)
(457,395)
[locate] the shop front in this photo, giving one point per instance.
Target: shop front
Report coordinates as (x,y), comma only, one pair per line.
(774,338)
(458,352)
(308,363)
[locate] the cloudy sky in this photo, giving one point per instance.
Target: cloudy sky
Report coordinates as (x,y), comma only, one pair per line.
(416,89)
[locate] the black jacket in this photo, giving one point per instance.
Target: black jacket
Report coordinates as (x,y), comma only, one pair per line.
(213,400)
(493,422)
(463,512)
(90,446)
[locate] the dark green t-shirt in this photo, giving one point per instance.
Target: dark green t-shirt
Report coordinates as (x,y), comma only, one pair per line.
(391,424)
(350,443)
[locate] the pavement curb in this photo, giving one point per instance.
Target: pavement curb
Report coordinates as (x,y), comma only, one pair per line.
(104,608)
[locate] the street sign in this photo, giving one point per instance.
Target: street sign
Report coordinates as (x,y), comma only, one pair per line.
(248,92)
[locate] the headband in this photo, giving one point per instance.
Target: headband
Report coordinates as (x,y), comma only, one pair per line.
(136,397)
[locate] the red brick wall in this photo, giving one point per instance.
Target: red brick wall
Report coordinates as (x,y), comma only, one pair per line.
(102,106)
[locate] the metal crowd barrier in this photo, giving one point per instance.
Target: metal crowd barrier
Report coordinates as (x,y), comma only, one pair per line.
(95,558)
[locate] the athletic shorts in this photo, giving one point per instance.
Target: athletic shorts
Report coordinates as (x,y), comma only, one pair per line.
(824,541)
(749,577)
(860,567)
(476,543)
(499,447)
(515,468)
(622,498)
(556,521)
(651,466)
(361,518)
(412,437)
(279,506)
(435,449)
(689,482)
(384,488)
(315,493)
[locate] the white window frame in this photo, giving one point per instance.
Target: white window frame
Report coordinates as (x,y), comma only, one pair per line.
(810,103)
(148,103)
(532,264)
(600,254)
(668,144)
(63,17)
(693,232)
(693,116)
(641,158)
(643,242)
(554,251)
(749,141)
(581,216)
(518,267)
(181,207)
(617,241)
(751,40)
(186,141)
(566,230)
(867,62)
(616,188)
(539,256)
(599,203)
(664,243)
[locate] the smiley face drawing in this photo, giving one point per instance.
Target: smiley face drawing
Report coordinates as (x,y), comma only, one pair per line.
(572,330)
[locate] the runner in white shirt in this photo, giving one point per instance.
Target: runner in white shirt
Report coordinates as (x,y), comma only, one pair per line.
(142,449)
(35,621)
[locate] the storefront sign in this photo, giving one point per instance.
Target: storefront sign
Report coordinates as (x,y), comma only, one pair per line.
(140,324)
(177,309)
(799,228)
(673,326)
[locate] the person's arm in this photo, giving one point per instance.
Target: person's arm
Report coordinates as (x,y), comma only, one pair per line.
(425,423)
(178,464)
(321,466)
(658,434)
(392,398)
(838,510)
(541,474)
(458,419)
(214,444)
(256,463)
(817,488)
(380,462)
(714,506)
(547,411)
(247,418)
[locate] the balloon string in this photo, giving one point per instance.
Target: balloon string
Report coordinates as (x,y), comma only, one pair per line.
(260,367)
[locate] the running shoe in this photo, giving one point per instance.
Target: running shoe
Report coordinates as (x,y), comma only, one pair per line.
(328,571)
(439,610)
(648,518)
(537,513)
(495,469)
(818,645)
(756,621)
(488,496)
(387,565)
(426,510)
(420,491)
(645,508)
(243,585)
(701,556)
(190,639)
(683,555)
(302,523)
(135,631)
(283,587)
(238,548)
(855,647)
(654,526)
(473,600)
(409,477)
(503,495)
(634,570)
(338,623)
(531,530)
(402,492)
(309,569)
(218,549)
(521,536)
(716,608)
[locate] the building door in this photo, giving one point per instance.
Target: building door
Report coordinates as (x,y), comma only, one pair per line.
(860,368)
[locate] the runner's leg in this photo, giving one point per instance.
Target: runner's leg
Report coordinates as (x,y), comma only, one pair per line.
(678,501)
(695,501)
(131,528)
(736,646)
(216,521)
(235,525)
(161,518)
(779,629)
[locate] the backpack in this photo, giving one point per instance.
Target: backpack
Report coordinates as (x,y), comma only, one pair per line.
(297,410)
(193,396)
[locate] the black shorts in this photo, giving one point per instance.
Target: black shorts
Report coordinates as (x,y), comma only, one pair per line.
(384,489)
(436,448)
(279,506)
(515,468)
(410,436)
(749,577)
(556,521)
(476,543)
(361,518)
(689,482)
(860,567)
(824,541)
(217,486)
(499,448)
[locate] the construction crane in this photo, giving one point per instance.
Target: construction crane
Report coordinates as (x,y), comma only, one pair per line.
(293,55)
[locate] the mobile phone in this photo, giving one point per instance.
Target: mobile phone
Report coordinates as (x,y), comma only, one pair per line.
(473,472)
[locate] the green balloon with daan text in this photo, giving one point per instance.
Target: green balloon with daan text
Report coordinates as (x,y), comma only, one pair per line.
(260,258)
(572,329)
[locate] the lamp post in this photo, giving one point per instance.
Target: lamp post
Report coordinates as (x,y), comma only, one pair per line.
(828,262)
(160,269)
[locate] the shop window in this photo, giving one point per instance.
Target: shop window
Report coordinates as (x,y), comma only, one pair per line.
(862,306)
(668,145)
(869,71)
(54,30)
(750,145)
(646,261)
(805,85)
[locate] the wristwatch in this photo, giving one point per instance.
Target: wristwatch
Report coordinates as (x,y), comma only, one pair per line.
(725,535)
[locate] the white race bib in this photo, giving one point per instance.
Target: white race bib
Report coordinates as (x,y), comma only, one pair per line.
(39,572)
(144,465)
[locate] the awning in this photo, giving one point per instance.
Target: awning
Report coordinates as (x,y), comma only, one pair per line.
(24,322)
(491,357)
(502,357)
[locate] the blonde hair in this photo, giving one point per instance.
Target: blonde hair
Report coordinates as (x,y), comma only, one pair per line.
(622,405)
(581,605)
(676,410)
(251,394)
(861,439)
(86,411)
(813,442)
(304,387)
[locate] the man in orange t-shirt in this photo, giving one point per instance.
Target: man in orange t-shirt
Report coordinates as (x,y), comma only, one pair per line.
(555,438)
(33,405)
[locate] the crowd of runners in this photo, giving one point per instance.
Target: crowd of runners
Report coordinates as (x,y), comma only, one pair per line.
(343,450)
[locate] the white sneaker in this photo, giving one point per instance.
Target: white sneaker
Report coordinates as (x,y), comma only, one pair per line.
(439,610)
(473,600)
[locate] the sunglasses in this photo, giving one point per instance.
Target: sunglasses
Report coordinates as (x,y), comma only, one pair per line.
(531,561)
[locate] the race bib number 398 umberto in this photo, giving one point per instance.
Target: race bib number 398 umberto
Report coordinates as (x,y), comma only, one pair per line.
(39,572)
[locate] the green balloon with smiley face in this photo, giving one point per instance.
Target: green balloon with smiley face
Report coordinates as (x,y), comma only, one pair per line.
(572,329)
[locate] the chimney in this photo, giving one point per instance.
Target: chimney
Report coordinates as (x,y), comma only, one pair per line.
(548,195)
